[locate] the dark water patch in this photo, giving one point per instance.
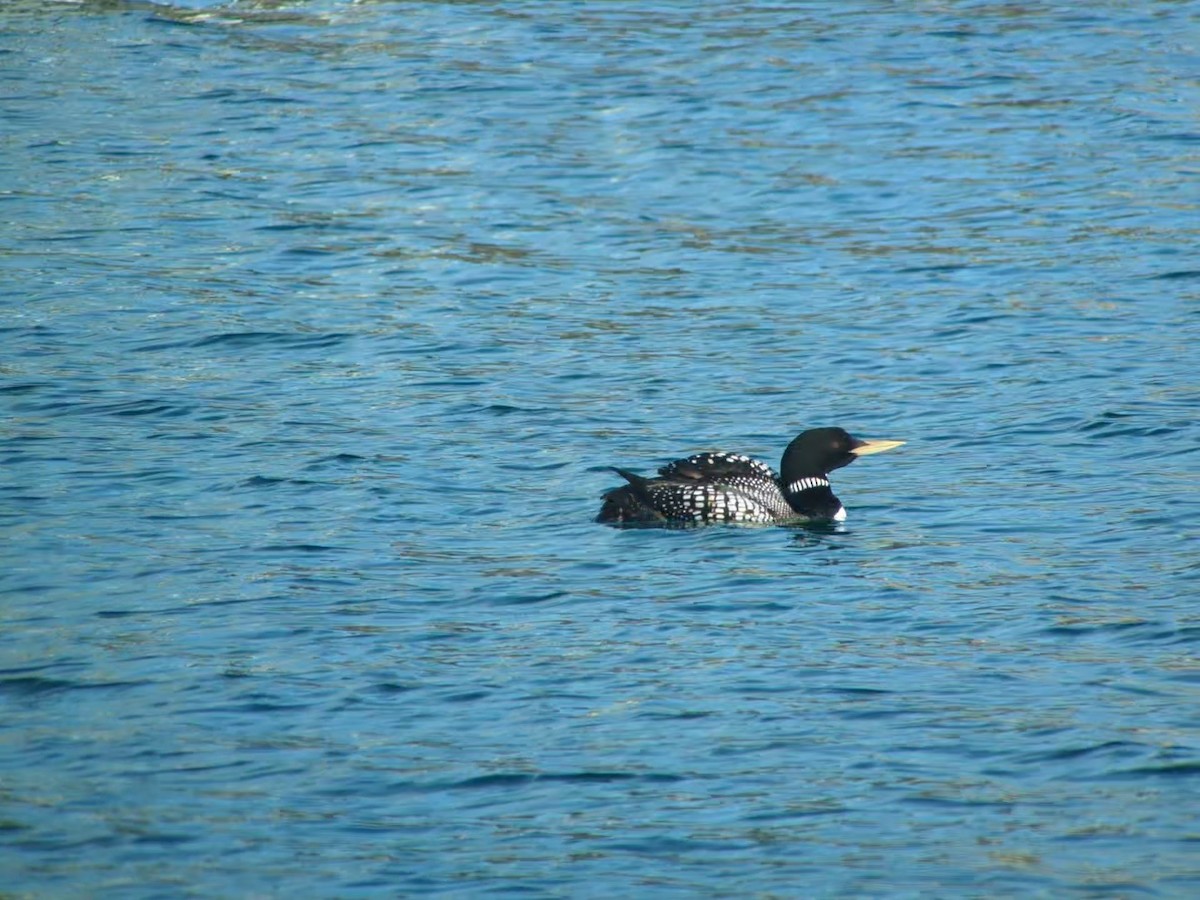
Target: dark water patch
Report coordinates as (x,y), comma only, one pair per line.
(1176,275)
(298,548)
(682,715)
(31,686)
(41,667)
(315,251)
(185,517)
(815,808)
(955,802)
(519,598)
(910,270)
(317,223)
(504,409)
(520,779)
(165,839)
(337,459)
(1105,420)
(391,688)
(1087,628)
(1183,137)
(1148,431)
(276,339)
(675,846)
(466,696)
(514,780)
(252,707)
(268,481)
(1171,636)
(1132,689)
(957,33)
(1177,770)
(1115,749)
(742,606)
(123,409)
(26,388)
(118,613)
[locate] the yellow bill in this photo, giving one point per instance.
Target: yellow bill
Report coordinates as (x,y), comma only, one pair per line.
(869,447)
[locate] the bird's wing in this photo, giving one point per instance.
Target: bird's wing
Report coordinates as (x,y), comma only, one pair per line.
(716,467)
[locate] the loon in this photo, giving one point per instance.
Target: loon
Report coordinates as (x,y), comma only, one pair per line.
(708,488)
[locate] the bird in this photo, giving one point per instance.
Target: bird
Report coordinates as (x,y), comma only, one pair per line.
(719,487)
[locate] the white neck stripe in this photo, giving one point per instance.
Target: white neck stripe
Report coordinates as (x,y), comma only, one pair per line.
(805,484)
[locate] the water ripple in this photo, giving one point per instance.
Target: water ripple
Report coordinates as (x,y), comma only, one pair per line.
(323,324)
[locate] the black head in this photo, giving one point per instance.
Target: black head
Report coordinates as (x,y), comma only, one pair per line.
(819,451)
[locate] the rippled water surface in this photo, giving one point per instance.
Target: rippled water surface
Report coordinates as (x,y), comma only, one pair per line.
(321,323)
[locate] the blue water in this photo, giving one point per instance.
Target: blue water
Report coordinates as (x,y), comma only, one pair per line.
(321,323)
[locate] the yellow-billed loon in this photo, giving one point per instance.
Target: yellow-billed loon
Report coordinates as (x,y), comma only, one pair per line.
(729,487)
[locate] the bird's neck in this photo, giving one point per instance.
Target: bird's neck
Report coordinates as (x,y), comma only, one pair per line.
(799,485)
(811,496)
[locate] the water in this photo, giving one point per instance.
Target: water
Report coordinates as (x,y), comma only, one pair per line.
(322,322)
